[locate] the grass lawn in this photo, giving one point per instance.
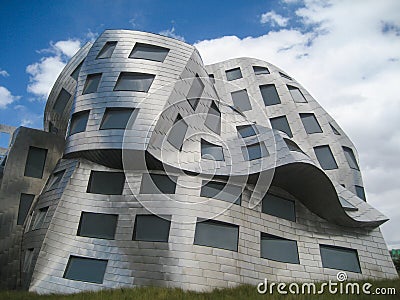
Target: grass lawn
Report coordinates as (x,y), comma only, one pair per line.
(241,292)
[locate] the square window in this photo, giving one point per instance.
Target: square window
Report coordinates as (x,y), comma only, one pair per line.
(85,269)
(279,207)
(310,123)
(254,151)
(149,52)
(221,191)
(325,157)
(211,151)
(340,258)
(158,184)
(269,94)
(260,70)
(233,74)
(152,228)
(107,50)
(241,100)
(61,101)
(281,124)
(35,162)
(135,82)
(279,249)
(360,192)
(217,234)
(177,133)
(116,118)
(92,83)
(296,94)
(78,122)
(97,225)
(351,159)
(106,183)
(25,202)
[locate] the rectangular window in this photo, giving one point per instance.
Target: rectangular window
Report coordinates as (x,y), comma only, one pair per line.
(107,50)
(195,92)
(39,217)
(221,191)
(75,73)
(149,52)
(310,123)
(116,118)
(92,83)
(233,74)
(177,133)
(106,183)
(360,192)
(269,94)
(85,269)
(246,130)
(340,258)
(279,207)
(296,94)
(325,157)
(211,151)
(151,228)
(78,122)
(279,249)
(216,234)
(25,202)
(351,159)
(281,124)
(241,100)
(158,184)
(61,101)
(285,76)
(254,151)
(28,259)
(260,70)
(136,82)
(213,119)
(56,179)
(35,162)
(97,225)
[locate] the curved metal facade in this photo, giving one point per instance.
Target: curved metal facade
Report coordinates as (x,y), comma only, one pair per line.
(159,144)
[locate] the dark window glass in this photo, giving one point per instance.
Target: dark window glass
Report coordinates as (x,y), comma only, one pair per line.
(28,259)
(269,94)
(35,162)
(241,100)
(347,205)
(107,50)
(281,124)
(297,95)
(279,207)
(78,122)
(25,202)
(56,179)
(279,249)
(285,76)
(213,119)
(151,228)
(325,157)
(75,73)
(158,184)
(116,118)
(233,74)
(177,133)
(246,130)
(107,183)
(351,159)
(335,131)
(97,225)
(217,234)
(254,151)
(195,92)
(310,123)
(92,83)
(136,82)
(149,52)
(260,70)
(61,101)
(212,78)
(211,151)
(292,146)
(360,192)
(340,258)
(85,269)
(40,216)
(222,191)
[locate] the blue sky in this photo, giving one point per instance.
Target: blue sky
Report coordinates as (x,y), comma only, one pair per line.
(345,53)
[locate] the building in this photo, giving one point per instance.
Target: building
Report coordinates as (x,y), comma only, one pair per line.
(153,169)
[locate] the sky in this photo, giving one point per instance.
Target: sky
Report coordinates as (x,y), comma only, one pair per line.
(345,53)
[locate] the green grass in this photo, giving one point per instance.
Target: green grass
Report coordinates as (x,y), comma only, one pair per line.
(157,293)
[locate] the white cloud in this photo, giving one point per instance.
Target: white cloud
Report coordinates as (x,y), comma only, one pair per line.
(6,97)
(44,73)
(171,33)
(274,19)
(4,73)
(350,62)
